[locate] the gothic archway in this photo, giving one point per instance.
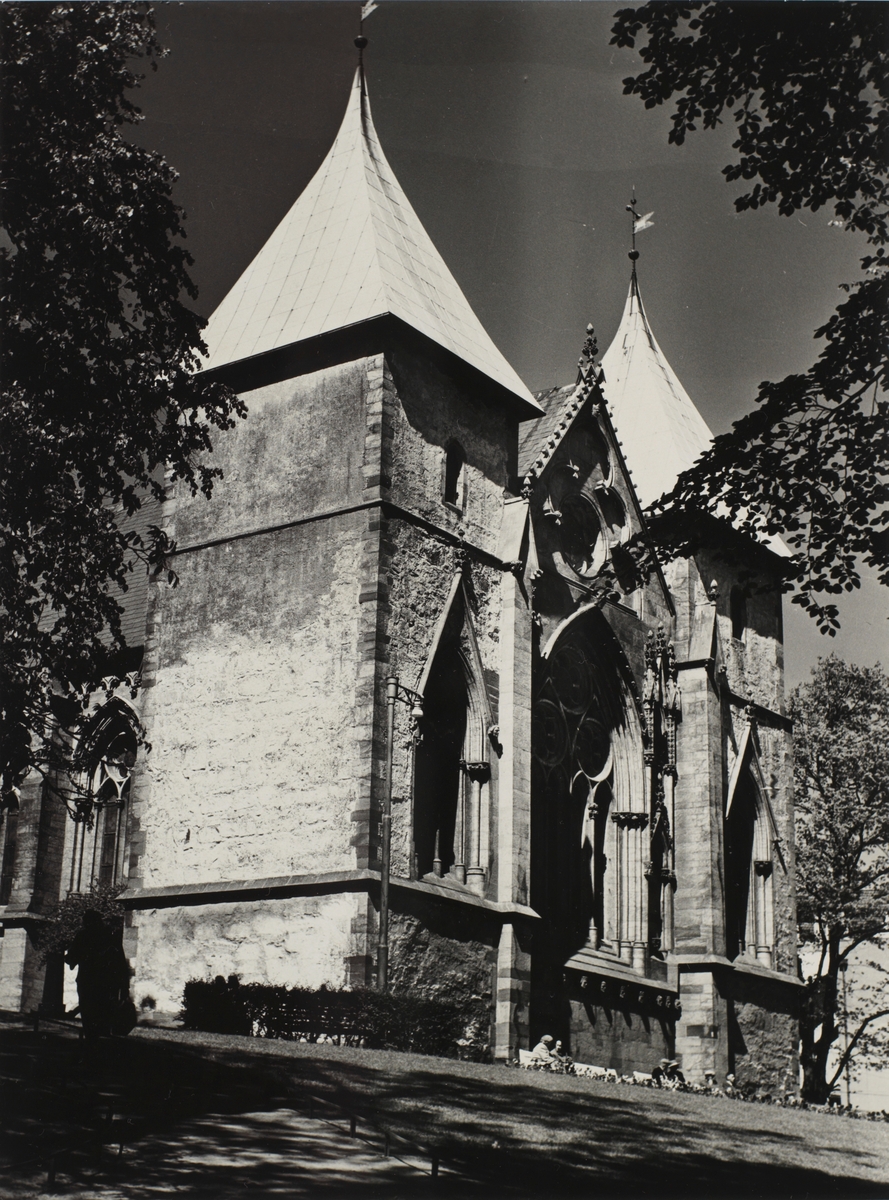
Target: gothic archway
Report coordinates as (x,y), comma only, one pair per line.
(588,798)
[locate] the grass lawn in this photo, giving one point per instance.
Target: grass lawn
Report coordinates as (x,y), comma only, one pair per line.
(516,1133)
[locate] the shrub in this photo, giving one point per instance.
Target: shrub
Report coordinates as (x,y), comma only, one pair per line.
(361,1017)
(62,925)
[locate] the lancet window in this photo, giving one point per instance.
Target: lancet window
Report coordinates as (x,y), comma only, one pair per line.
(751,846)
(749,869)
(452,764)
(102,812)
(738,613)
(455,462)
(9,819)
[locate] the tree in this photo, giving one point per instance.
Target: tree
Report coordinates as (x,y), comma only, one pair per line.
(807,87)
(100,392)
(841,771)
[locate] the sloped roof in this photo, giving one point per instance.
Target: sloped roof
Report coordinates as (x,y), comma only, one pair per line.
(351,249)
(662,432)
(534,434)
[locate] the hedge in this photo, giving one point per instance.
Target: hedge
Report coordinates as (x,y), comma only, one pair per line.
(359,1017)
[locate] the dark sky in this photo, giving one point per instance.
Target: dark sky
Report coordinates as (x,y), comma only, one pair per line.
(506,125)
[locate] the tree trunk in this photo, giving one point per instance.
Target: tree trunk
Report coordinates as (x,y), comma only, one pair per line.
(819,1008)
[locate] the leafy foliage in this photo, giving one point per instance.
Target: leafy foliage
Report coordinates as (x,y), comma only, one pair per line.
(64,922)
(841,769)
(420,1024)
(100,395)
(807,89)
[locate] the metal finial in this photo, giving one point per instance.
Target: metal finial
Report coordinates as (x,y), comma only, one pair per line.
(361,41)
(634,217)
(637,225)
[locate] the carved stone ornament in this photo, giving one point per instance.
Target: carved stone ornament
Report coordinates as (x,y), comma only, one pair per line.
(630,820)
(479,771)
(763,867)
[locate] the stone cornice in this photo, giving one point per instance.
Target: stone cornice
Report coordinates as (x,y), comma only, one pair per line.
(718,962)
(283,886)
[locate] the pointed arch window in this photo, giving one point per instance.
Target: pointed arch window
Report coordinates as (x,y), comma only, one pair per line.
(750,844)
(452,766)
(9,820)
(588,800)
(109,758)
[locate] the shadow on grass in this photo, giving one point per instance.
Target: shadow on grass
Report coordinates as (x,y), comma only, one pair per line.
(198,1109)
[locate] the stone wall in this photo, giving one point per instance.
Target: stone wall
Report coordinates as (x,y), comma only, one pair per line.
(251,719)
(301,941)
(300,451)
(620,1038)
(432,410)
(763,1019)
(442,948)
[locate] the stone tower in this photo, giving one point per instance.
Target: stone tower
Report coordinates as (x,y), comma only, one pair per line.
(354,536)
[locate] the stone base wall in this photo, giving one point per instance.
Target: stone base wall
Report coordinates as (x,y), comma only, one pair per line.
(443,949)
(763,1017)
(13,955)
(300,941)
(621,1038)
(701,1034)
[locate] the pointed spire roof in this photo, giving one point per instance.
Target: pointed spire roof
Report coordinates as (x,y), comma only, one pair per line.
(351,249)
(662,432)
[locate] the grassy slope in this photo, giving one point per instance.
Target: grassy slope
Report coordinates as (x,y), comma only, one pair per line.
(553,1135)
(517,1133)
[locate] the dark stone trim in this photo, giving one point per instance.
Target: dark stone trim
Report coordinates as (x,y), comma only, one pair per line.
(387,507)
(711,963)
(767,716)
(13,918)
(284,886)
(362,340)
(598,966)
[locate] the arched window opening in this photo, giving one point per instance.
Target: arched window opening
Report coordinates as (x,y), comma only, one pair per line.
(749,904)
(440,788)
(455,463)
(738,612)
(588,817)
(109,759)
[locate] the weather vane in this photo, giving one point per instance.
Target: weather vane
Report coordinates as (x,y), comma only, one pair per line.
(639,223)
(361,41)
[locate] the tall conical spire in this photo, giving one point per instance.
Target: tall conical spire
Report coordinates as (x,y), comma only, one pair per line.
(662,432)
(351,249)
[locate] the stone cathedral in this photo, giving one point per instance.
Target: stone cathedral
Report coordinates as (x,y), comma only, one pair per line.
(592,821)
